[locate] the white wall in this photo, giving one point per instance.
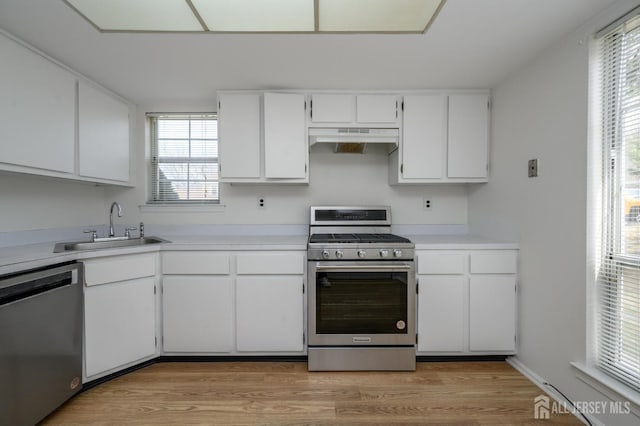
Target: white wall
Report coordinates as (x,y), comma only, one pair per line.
(31,203)
(334,179)
(541,112)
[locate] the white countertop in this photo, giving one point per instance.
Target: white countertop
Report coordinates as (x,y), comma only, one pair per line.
(241,242)
(18,258)
(15,259)
(459,242)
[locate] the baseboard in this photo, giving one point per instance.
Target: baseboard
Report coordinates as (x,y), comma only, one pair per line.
(459,358)
(93,383)
(232,358)
(540,382)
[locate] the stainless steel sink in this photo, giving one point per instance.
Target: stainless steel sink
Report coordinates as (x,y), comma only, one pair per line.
(104,244)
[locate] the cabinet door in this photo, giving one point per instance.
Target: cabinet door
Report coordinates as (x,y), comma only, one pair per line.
(441,313)
(239,135)
(37,110)
(332,108)
(197,314)
(376,109)
(103,135)
(120,325)
(492,305)
(468,145)
(269,313)
(285,143)
(423,136)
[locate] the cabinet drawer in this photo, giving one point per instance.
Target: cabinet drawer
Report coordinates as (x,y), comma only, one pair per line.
(504,262)
(270,263)
(119,268)
(440,263)
(195,263)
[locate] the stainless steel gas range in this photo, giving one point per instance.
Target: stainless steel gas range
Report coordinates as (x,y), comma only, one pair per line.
(362,291)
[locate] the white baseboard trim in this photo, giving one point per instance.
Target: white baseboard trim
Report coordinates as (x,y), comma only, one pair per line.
(540,382)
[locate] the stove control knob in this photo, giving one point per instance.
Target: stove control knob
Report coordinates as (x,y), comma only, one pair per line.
(325,254)
(397,253)
(339,254)
(362,253)
(384,253)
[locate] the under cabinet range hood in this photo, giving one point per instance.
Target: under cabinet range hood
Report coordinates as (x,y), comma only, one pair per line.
(353,139)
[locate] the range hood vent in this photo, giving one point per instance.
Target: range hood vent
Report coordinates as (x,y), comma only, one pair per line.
(353,139)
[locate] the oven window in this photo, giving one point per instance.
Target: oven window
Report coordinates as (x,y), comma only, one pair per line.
(361,302)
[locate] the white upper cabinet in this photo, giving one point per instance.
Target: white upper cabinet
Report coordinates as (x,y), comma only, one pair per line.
(239,135)
(263,138)
(285,143)
(332,108)
(103,135)
(445,138)
(377,109)
(424,136)
(37,111)
(468,143)
(357,110)
(41,107)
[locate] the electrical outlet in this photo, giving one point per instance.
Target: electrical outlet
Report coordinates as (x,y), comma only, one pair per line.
(533,167)
(261,203)
(427,204)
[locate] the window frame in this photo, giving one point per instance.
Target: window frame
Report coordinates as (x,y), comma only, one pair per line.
(612,264)
(153,198)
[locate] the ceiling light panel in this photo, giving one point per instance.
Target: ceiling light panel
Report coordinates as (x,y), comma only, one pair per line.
(376,15)
(257,15)
(138,15)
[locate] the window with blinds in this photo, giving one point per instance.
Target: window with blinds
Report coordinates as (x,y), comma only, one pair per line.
(184,158)
(618,275)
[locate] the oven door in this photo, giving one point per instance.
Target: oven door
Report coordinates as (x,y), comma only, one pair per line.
(361,303)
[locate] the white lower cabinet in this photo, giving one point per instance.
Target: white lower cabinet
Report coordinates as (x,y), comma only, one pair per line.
(120,313)
(197,314)
(269,314)
(466,302)
(492,313)
(235,302)
(441,301)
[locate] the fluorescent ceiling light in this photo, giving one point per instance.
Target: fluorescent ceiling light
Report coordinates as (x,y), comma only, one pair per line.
(257,15)
(138,15)
(260,16)
(376,15)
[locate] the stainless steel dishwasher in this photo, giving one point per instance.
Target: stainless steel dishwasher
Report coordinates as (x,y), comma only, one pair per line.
(41,326)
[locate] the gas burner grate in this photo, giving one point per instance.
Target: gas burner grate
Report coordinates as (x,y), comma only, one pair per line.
(356,238)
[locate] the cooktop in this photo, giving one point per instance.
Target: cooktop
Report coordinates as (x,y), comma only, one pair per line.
(356,238)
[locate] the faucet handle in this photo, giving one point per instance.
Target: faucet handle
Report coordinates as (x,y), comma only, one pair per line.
(141,229)
(127,232)
(93,232)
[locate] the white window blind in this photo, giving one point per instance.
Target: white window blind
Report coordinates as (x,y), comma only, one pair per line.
(184,158)
(618,275)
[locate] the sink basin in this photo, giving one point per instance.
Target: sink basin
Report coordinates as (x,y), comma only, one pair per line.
(115,243)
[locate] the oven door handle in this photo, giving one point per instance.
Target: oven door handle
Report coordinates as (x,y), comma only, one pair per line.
(377,267)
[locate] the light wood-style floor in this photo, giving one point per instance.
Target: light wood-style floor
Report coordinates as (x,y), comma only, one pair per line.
(285,393)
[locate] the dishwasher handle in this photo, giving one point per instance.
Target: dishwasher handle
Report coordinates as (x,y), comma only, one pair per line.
(21,286)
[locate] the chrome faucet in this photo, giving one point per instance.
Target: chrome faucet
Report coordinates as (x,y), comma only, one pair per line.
(114,204)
